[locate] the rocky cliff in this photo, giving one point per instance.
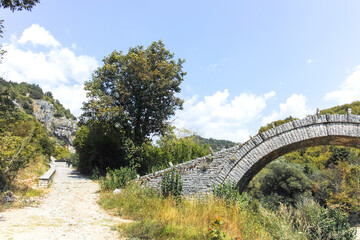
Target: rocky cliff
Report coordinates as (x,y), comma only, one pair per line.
(62,128)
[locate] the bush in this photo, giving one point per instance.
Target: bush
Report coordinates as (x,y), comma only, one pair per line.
(118,178)
(283,182)
(171,184)
(74,159)
(47,145)
(49,94)
(320,223)
(27,108)
(227,191)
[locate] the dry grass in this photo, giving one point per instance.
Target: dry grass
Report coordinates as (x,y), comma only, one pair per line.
(158,218)
(25,186)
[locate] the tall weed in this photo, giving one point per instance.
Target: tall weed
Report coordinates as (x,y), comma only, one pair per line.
(117,178)
(163,218)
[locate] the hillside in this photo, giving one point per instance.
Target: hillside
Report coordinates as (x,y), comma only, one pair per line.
(215,144)
(33,126)
(49,111)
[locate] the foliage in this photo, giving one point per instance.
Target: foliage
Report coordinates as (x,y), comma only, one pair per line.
(343,109)
(1,28)
(228,191)
(338,154)
(47,145)
(2,51)
(282,182)
(74,159)
(61,152)
(320,223)
(275,123)
(334,176)
(23,93)
(171,184)
(175,146)
(215,144)
(136,91)
(18,5)
(20,142)
(118,178)
(60,109)
(156,217)
(101,145)
(49,94)
(7,106)
(215,230)
(23,139)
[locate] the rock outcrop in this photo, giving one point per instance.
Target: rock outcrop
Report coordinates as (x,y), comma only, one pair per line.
(62,128)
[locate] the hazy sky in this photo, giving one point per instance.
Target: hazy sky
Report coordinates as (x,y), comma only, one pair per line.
(248,62)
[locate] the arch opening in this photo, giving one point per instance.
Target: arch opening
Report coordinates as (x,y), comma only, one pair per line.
(344,141)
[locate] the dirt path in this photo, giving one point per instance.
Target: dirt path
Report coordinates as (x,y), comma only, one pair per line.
(70,211)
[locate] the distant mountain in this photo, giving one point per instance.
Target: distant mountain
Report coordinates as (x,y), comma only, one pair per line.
(49,111)
(343,109)
(215,144)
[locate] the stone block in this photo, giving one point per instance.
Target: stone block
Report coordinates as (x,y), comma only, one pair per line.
(257,140)
(268,134)
(353,118)
(303,122)
(285,127)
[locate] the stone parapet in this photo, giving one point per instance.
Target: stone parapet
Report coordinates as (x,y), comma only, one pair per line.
(241,163)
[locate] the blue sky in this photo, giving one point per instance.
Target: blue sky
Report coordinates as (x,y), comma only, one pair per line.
(248,62)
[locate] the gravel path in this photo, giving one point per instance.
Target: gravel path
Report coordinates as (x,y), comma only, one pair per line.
(68,212)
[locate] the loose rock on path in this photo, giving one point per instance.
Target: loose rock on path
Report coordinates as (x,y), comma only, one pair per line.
(70,211)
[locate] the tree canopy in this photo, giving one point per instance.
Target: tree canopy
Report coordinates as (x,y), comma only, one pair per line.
(136,91)
(18,5)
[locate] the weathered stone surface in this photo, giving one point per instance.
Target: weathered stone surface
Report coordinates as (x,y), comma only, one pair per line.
(62,128)
(241,163)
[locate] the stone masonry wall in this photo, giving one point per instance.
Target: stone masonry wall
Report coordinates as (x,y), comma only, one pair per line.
(240,163)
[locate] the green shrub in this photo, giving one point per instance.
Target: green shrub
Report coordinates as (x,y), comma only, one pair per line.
(74,159)
(216,230)
(283,182)
(47,145)
(227,191)
(321,223)
(171,184)
(118,178)
(27,108)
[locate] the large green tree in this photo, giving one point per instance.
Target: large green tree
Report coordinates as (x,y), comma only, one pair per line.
(136,91)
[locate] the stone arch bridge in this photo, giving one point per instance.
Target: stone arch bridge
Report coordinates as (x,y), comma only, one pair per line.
(241,163)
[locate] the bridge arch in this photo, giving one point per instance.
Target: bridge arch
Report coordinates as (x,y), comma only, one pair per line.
(241,163)
(341,130)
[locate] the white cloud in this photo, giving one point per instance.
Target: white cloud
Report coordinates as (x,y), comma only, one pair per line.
(213,65)
(220,117)
(310,61)
(294,106)
(349,90)
(57,69)
(38,36)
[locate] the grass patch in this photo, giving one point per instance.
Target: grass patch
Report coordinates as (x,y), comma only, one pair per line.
(25,186)
(207,218)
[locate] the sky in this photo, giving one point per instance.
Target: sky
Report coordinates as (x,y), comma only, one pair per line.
(248,63)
